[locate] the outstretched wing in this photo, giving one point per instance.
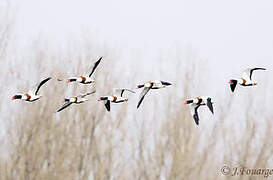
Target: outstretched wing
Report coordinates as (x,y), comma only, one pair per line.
(247,74)
(107,104)
(142,95)
(254,69)
(120,92)
(37,87)
(91,70)
(86,94)
(194,113)
(209,104)
(65,105)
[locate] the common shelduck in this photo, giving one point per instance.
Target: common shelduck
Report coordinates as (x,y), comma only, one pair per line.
(246,79)
(196,103)
(156,84)
(76,99)
(31,95)
(116,98)
(86,78)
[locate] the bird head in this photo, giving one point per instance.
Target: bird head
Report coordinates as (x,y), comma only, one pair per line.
(65,100)
(102,98)
(232,81)
(16,97)
(71,80)
(188,101)
(140,86)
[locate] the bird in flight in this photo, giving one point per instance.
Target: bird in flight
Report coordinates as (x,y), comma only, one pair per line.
(245,80)
(32,95)
(76,100)
(156,84)
(196,103)
(116,98)
(85,78)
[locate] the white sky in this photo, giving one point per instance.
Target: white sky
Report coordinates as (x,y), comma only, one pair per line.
(231,35)
(233,30)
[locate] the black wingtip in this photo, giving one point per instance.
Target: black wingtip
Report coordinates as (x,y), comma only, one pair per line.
(166,83)
(45,80)
(41,84)
(259,69)
(48,78)
(196,119)
(59,110)
(210,106)
(139,103)
(89,93)
(108,106)
(98,61)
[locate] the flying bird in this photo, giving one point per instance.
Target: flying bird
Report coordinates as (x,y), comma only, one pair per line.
(76,99)
(86,78)
(245,80)
(116,98)
(31,95)
(196,103)
(156,84)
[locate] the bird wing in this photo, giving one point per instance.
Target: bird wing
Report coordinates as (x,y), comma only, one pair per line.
(65,105)
(120,92)
(36,87)
(86,94)
(208,102)
(142,95)
(254,69)
(247,74)
(107,104)
(92,68)
(210,106)
(194,112)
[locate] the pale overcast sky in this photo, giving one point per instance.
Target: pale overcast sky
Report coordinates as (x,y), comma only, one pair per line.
(233,30)
(231,35)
